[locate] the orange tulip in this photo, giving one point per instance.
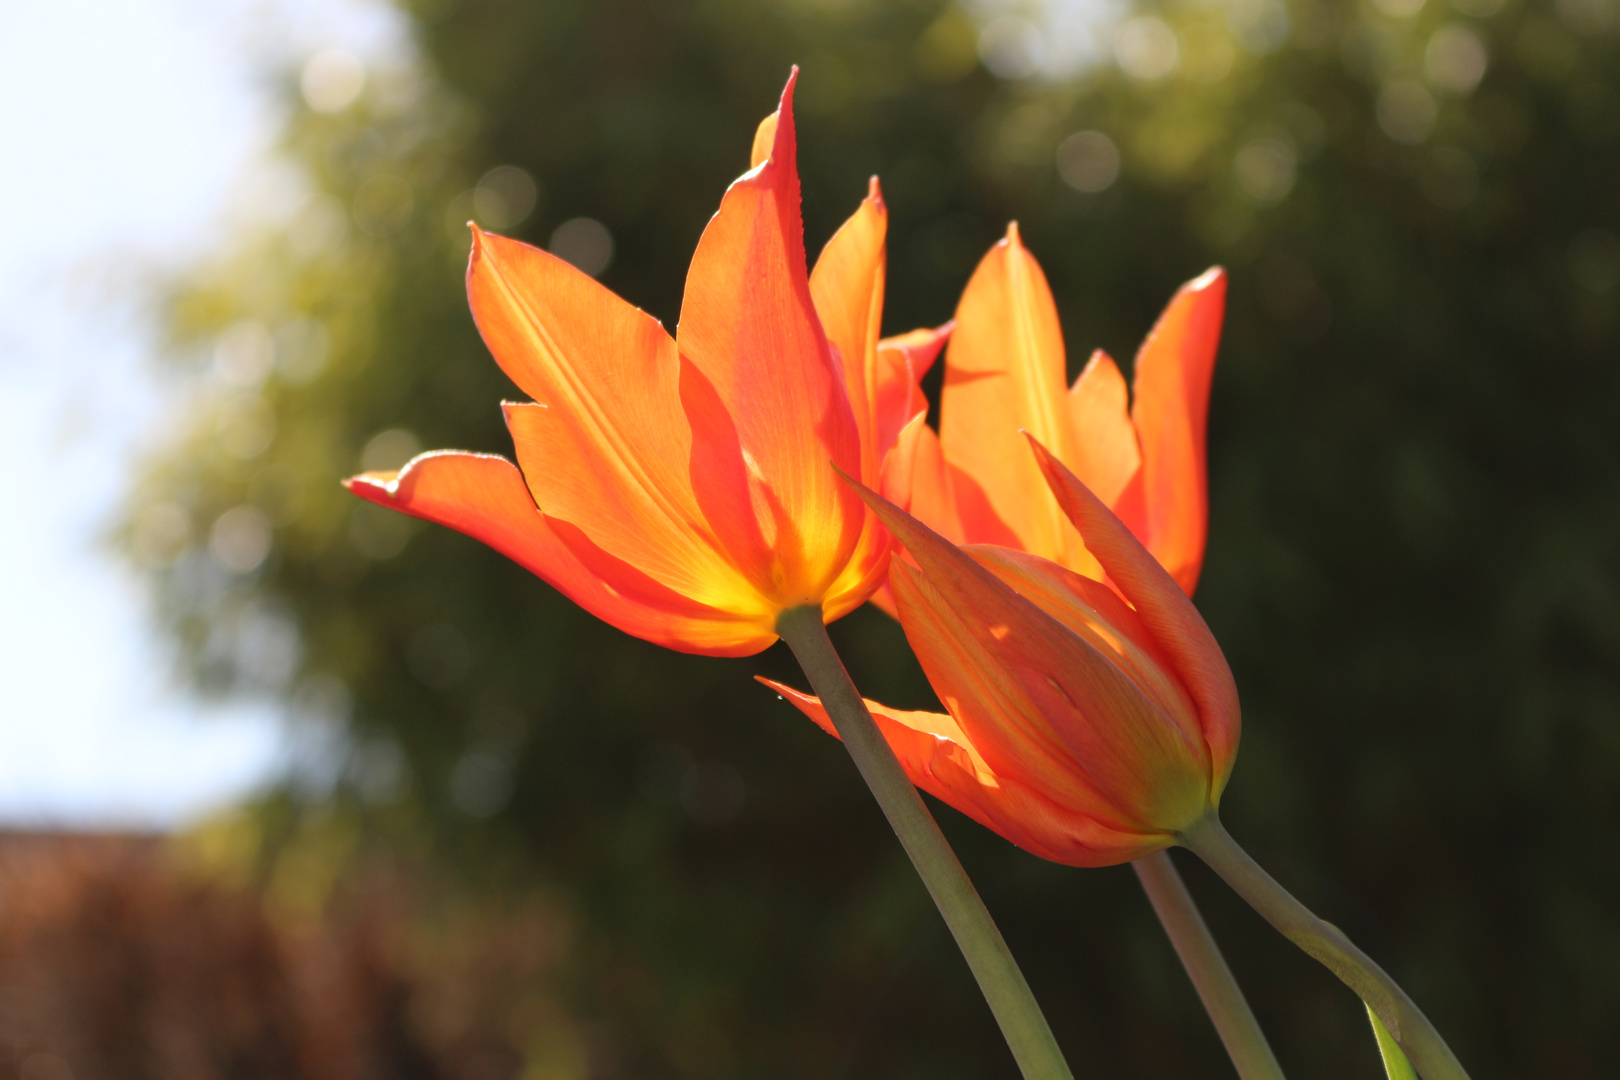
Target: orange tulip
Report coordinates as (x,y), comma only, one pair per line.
(1004,371)
(682,488)
(1086,725)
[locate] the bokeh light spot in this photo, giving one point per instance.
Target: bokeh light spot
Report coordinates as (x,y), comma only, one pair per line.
(377,533)
(244,354)
(331,80)
(1260,26)
(240,539)
(1265,169)
(1399,9)
(1146,48)
(586,243)
(389,450)
(1455,59)
(504,197)
(1088,161)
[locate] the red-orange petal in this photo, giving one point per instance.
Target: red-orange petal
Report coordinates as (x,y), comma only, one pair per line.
(756,349)
(1038,701)
(485,497)
(1173,371)
(1004,372)
(1165,609)
(902,361)
(938,758)
(637,510)
(847,289)
(1102,448)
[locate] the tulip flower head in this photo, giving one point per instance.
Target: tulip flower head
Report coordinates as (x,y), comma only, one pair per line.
(1088,724)
(683,488)
(975,482)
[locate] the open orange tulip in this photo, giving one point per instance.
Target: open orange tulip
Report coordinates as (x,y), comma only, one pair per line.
(683,488)
(975,482)
(1086,725)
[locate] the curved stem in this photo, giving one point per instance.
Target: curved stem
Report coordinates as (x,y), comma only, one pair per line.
(1210,841)
(1239,1031)
(1022,1023)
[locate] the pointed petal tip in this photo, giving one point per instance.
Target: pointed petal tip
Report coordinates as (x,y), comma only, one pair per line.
(874,191)
(372,485)
(1211,278)
(1013,239)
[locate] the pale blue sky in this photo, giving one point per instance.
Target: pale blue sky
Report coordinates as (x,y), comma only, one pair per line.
(127,125)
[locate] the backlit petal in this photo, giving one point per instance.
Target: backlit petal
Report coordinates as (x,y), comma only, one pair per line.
(1102,448)
(1005,373)
(1172,380)
(485,497)
(1095,612)
(1038,701)
(902,361)
(615,500)
(1165,609)
(938,759)
(750,334)
(847,288)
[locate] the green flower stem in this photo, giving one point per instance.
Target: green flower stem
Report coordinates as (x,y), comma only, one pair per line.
(1022,1023)
(1223,1000)
(1210,841)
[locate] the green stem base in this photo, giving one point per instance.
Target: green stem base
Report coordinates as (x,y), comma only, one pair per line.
(1234,1021)
(1022,1023)
(1430,1055)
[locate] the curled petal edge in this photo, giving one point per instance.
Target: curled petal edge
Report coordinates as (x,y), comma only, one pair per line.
(939,760)
(484,496)
(1164,608)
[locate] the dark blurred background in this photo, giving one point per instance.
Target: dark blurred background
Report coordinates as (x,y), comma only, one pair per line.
(527,845)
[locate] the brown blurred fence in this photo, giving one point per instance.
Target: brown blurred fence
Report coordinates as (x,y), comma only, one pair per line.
(120,960)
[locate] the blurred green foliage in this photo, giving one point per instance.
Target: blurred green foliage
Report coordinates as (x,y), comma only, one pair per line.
(1414,563)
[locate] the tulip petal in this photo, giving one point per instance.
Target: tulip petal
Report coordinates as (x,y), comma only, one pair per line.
(576,479)
(485,497)
(847,288)
(608,447)
(1165,610)
(1103,450)
(1005,373)
(749,328)
(764,139)
(938,758)
(1096,613)
(1173,371)
(1038,700)
(902,361)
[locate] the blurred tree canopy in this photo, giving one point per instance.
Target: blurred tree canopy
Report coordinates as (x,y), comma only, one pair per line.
(1414,564)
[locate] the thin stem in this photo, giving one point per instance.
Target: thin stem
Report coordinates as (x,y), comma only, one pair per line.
(1210,841)
(1223,1000)
(1022,1023)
